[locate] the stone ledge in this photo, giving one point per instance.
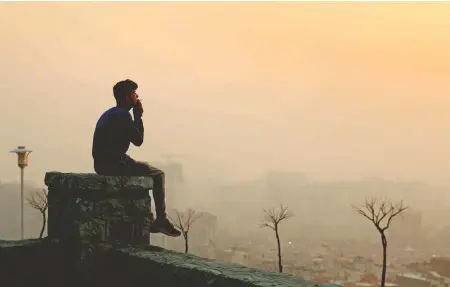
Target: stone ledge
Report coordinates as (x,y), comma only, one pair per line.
(88,208)
(92,181)
(10,248)
(169,268)
(44,262)
(4,244)
(28,263)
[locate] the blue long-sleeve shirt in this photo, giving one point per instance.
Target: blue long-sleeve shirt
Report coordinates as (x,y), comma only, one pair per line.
(114,132)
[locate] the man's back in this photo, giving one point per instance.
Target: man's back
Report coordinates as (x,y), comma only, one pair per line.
(113,133)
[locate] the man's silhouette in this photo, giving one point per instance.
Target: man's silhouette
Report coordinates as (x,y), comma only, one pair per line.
(114,132)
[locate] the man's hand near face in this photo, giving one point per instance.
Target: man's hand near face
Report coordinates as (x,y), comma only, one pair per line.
(138,110)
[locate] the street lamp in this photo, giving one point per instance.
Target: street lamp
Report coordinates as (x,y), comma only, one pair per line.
(22,162)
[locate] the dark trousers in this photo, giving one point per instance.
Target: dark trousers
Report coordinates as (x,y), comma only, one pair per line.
(130,167)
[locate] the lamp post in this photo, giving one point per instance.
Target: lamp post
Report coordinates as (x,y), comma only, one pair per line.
(22,162)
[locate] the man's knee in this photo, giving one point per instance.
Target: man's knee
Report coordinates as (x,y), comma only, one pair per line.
(148,170)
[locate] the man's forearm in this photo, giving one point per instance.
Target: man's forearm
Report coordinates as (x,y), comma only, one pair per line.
(139,124)
(136,131)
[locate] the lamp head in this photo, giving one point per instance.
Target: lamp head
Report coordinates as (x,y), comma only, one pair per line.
(22,156)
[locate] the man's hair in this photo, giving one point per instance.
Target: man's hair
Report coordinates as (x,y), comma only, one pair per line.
(122,89)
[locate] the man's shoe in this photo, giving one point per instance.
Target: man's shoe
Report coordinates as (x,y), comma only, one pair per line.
(153,228)
(164,226)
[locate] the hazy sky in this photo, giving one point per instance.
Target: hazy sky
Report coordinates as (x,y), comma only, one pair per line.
(335,90)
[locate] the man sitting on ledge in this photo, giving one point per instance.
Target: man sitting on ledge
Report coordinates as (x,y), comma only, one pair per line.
(113,133)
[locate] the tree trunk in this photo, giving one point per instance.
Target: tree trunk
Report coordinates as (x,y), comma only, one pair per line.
(44,222)
(186,242)
(280,266)
(383,272)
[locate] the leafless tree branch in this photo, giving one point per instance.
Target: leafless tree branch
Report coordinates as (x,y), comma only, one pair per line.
(39,201)
(273,217)
(185,220)
(380,212)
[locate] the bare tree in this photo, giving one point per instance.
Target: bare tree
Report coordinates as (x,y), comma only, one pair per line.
(39,201)
(184,221)
(381,213)
(272,219)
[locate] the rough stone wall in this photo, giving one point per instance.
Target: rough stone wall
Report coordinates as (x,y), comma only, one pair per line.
(87,209)
(29,263)
(169,268)
(42,263)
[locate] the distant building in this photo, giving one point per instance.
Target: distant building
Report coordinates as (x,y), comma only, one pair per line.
(365,284)
(369,278)
(204,230)
(173,171)
(441,265)
(322,280)
(284,186)
(406,228)
(291,180)
(239,257)
(412,280)
(246,209)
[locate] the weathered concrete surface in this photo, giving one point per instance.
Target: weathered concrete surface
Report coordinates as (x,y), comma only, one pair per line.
(29,262)
(92,208)
(41,262)
(44,263)
(169,268)
(8,247)
(86,209)
(94,182)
